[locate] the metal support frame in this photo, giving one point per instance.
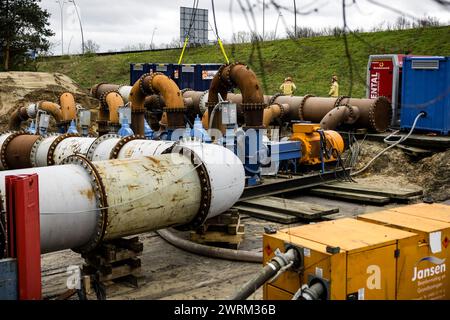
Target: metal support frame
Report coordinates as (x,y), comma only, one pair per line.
(272,186)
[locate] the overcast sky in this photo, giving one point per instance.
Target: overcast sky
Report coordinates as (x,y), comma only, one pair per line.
(115,24)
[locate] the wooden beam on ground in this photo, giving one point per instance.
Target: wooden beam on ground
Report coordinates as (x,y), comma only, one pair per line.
(392,192)
(360,197)
(297,208)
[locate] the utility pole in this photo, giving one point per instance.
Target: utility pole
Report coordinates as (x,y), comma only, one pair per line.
(81,26)
(151,43)
(276,25)
(264,10)
(6,62)
(295,19)
(61,7)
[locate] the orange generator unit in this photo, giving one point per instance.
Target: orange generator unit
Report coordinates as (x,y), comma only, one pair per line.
(400,253)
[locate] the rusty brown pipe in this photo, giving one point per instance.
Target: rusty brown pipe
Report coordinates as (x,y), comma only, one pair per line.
(18,151)
(114,101)
(68,108)
(154,102)
(17,117)
(21,114)
(375,114)
(52,109)
(99,89)
(240,76)
(339,115)
(156,83)
(273,112)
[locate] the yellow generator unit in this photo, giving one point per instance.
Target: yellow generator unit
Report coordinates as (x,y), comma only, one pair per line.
(351,259)
(385,255)
(425,275)
(309,136)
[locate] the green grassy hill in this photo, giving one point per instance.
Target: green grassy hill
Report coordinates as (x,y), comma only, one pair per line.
(311,62)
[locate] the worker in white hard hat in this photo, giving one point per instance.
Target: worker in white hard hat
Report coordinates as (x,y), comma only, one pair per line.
(334,89)
(288,87)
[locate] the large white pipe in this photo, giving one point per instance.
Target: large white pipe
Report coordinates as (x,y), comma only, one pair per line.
(40,156)
(142,148)
(67,204)
(70,146)
(124,92)
(83,203)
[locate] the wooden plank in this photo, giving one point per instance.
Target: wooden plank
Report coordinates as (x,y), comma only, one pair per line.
(392,192)
(367,198)
(292,207)
(268,215)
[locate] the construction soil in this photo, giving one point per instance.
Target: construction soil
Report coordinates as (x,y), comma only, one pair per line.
(431,173)
(18,89)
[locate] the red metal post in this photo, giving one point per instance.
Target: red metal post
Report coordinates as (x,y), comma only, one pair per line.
(24,192)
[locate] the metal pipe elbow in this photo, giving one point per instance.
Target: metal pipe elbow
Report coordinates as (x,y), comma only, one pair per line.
(339,115)
(17,117)
(114,101)
(99,89)
(272,112)
(68,108)
(52,108)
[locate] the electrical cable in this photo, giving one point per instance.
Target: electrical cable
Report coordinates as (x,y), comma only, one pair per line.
(421,114)
(214,17)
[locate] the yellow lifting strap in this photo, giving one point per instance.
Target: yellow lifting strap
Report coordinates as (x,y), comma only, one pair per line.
(223,50)
(184,48)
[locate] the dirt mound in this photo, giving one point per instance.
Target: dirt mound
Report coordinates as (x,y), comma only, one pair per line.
(18,89)
(431,173)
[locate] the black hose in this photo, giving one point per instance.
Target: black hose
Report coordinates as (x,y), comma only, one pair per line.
(213,252)
(252,285)
(314,292)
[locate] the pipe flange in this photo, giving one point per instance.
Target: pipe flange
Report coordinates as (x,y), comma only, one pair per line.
(5,145)
(275,97)
(149,90)
(202,104)
(101,198)
(52,148)
(205,185)
(34,149)
(119,145)
(174,110)
(253,106)
(282,111)
(94,89)
(186,90)
(350,109)
(141,84)
(302,104)
(376,113)
(227,76)
(338,101)
(97,142)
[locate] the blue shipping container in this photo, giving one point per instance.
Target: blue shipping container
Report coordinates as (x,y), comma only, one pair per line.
(138,69)
(426,87)
(198,76)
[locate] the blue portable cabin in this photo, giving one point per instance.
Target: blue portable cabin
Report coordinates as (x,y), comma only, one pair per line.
(426,87)
(198,76)
(194,76)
